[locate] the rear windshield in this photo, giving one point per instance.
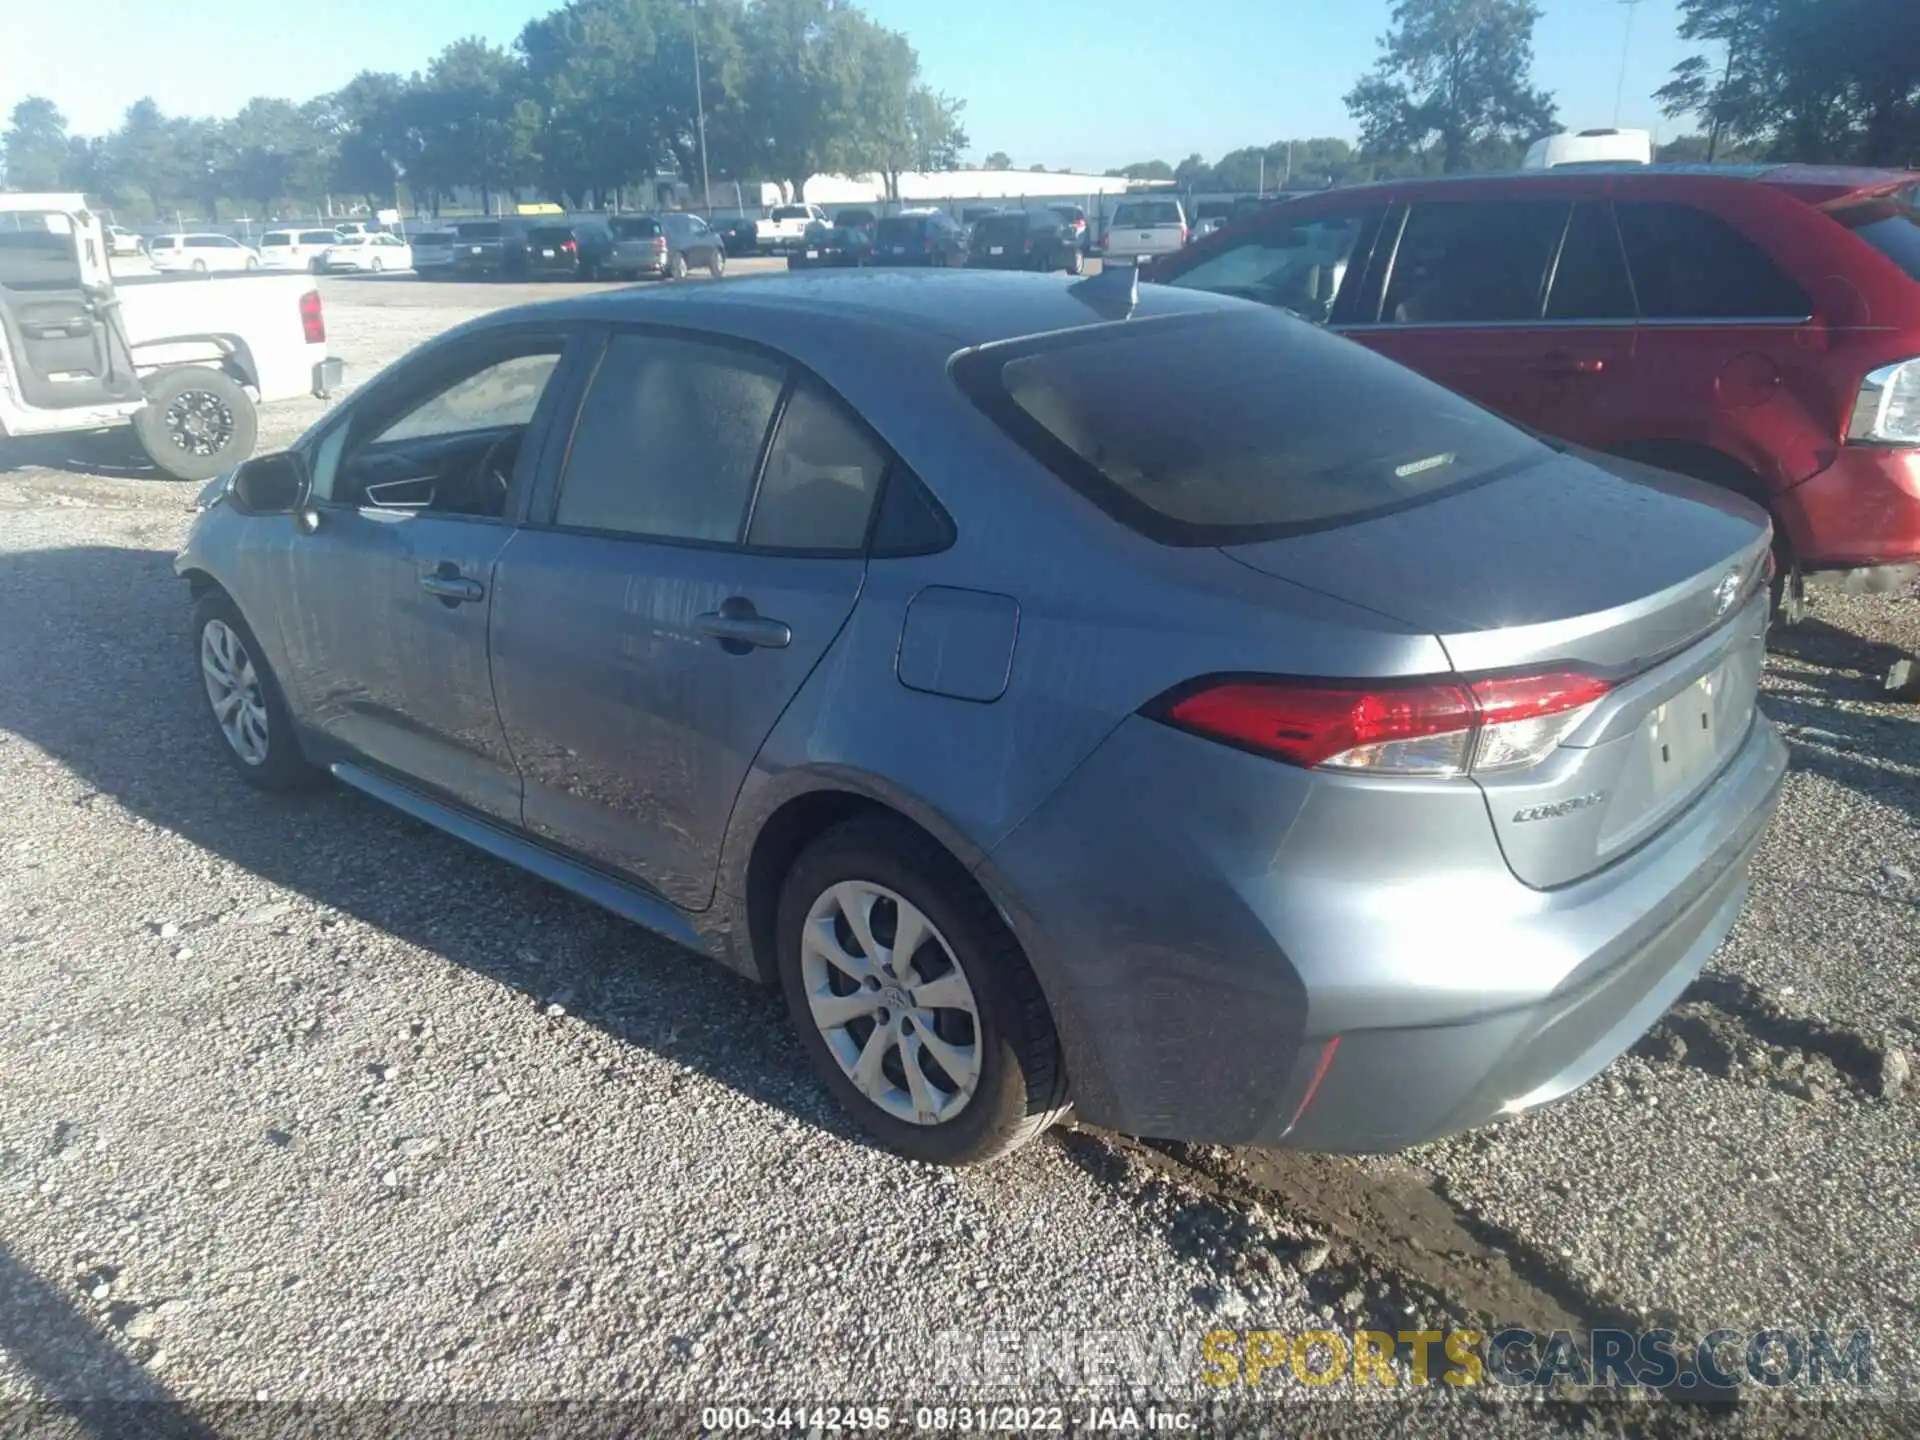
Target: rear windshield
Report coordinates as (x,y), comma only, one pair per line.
(897,228)
(1014,224)
(435,237)
(480,230)
(275,238)
(1221,429)
(1148,212)
(629,227)
(1893,230)
(791,212)
(549,235)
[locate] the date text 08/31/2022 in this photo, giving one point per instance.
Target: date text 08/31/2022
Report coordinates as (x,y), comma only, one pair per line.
(992,1418)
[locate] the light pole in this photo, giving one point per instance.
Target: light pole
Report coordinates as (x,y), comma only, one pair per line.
(1626,42)
(700,117)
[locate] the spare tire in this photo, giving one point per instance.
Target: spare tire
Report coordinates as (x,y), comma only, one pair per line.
(198,422)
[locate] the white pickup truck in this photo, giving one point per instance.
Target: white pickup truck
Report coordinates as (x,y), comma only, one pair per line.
(786,227)
(1143,230)
(182,359)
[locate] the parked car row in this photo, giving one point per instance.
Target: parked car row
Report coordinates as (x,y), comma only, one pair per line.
(669,245)
(1047,239)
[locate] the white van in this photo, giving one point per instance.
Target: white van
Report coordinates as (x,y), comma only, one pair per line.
(1590,147)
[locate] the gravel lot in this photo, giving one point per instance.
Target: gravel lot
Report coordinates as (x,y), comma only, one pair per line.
(304,1101)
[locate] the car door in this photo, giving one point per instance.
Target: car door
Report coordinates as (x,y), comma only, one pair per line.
(388,598)
(686,572)
(1462,295)
(65,353)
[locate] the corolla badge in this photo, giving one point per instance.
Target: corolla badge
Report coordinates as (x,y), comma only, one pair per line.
(1725,593)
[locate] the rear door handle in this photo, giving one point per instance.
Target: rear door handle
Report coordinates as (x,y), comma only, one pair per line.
(1564,362)
(453,587)
(740,628)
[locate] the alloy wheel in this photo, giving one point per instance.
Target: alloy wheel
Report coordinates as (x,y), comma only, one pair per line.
(892,1002)
(233,689)
(199,423)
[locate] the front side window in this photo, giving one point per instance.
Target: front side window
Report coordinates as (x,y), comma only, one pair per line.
(1689,265)
(669,440)
(503,394)
(451,450)
(1298,267)
(1226,428)
(1473,262)
(624,227)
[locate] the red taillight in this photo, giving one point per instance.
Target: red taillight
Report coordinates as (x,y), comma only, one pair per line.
(1184,234)
(570,246)
(1426,728)
(312,320)
(659,244)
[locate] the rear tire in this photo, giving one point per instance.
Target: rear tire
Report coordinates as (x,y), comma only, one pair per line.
(676,266)
(965,998)
(197,422)
(717,264)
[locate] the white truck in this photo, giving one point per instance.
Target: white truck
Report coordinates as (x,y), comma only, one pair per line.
(786,227)
(182,359)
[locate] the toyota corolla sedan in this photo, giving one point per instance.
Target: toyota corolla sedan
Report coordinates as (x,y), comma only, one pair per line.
(1137,701)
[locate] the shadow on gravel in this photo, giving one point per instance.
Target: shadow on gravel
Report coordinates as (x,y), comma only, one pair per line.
(1853,748)
(96,669)
(87,1383)
(112,453)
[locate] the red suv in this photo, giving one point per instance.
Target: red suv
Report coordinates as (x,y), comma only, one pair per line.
(1756,327)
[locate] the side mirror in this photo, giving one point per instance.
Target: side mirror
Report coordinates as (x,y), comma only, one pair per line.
(270,485)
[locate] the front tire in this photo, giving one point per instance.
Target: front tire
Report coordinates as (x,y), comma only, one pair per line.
(378,265)
(946,1053)
(197,422)
(244,704)
(717,264)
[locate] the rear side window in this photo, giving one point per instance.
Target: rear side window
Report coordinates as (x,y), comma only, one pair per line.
(1893,230)
(1689,265)
(822,474)
(1298,267)
(669,440)
(162,242)
(1472,261)
(1590,282)
(1221,429)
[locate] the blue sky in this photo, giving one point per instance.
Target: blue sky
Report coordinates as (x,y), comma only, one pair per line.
(1091,84)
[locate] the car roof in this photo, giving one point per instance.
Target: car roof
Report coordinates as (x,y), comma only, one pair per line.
(934,312)
(1814,183)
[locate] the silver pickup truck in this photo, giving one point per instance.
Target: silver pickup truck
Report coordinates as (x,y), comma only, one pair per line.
(1143,229)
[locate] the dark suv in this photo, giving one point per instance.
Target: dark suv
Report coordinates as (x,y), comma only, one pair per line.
(490,249)
(1024,240)
(1758,327)
(919,237)
(573,251)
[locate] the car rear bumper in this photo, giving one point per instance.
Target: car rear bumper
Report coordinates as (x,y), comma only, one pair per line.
(1863,510)
(1238,952)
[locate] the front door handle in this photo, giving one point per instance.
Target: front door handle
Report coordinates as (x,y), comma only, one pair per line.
(454,588)
(740,628)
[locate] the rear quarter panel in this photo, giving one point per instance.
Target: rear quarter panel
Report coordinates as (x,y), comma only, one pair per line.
(259,314)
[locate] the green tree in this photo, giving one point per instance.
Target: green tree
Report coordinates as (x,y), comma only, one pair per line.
(1812,80)
(998,160)
(34,150)
(1145,170)
(1456,75)
(143,153)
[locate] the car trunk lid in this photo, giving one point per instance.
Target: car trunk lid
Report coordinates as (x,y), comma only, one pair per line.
(1653,582)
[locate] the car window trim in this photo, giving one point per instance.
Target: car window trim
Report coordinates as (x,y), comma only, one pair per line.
(544,502)
(457,354)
